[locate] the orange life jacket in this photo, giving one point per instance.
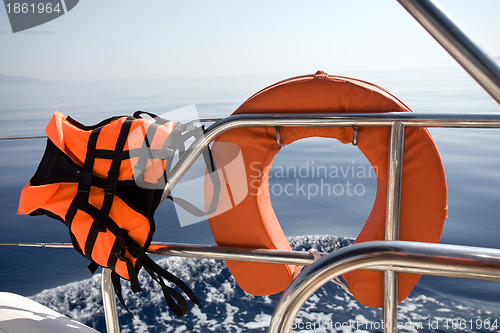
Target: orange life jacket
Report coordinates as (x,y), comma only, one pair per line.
(252,223)
(105,182)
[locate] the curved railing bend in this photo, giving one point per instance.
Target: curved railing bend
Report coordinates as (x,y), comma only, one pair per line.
(398,256)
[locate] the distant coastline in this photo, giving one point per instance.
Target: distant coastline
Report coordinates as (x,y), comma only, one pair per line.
(9,79)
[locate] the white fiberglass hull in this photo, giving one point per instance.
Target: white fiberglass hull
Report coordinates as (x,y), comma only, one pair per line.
(21,314)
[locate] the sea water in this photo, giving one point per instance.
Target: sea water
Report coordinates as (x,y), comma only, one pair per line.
(324,220)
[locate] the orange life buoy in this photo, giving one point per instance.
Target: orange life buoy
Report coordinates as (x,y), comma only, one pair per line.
(252,223)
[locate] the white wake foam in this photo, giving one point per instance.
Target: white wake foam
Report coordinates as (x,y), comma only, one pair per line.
(229,309)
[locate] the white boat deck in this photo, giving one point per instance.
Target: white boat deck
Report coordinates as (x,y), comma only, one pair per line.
(19,314)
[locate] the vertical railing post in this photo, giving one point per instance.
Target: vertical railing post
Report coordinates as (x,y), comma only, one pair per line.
(393,204)
(109,302)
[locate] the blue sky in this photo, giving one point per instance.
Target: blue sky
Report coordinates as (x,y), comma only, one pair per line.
(136,40)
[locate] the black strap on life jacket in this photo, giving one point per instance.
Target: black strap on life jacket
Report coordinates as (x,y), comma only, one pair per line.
(102,222)
(189,207)
(176,142)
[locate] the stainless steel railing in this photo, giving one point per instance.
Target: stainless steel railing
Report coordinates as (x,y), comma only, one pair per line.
(109,302)
(447,33)
(392,211)
(484,70)
(392,256)
(407,119)
(420,258)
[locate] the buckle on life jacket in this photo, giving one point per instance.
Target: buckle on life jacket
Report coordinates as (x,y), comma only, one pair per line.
(85,181)
(111,183)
